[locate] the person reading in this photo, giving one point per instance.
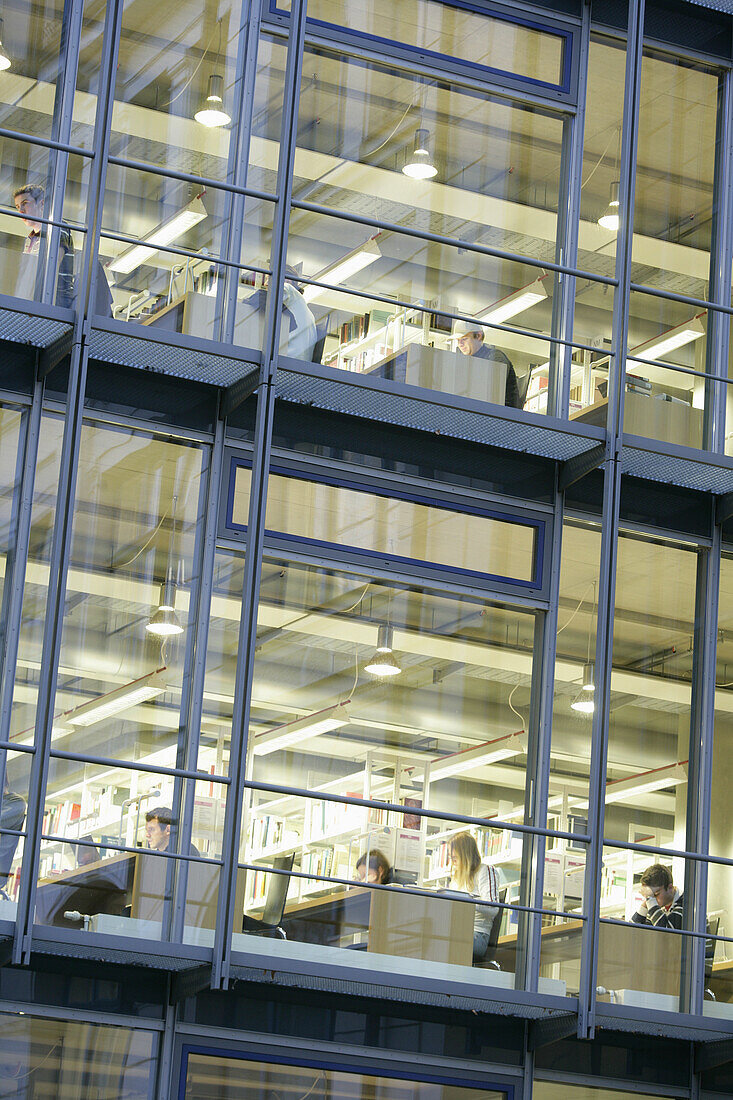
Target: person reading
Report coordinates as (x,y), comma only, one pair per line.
(470,876)
(470,341)
(662,903)
(374,867)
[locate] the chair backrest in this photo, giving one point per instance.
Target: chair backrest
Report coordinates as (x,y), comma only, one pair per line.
(321,333)
(523,387)
(495,928)
(277,890)
(710,945)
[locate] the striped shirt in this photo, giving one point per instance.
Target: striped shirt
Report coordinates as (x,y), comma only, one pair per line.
(662,916)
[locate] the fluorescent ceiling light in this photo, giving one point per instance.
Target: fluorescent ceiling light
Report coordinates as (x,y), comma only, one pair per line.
(342,270)
(669,341)
(657,779)
(113,702)
(514,303)
(501,748)
(166,233)
(282,737)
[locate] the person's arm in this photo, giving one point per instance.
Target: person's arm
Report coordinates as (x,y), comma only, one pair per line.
(665,918)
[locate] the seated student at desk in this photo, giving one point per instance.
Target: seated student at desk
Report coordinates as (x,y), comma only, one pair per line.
(663,904)
(374,867)
(470,341)
(158,823)
(470,876)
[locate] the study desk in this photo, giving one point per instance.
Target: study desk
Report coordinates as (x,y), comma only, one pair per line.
(669,421)
(447,371)
(389,922)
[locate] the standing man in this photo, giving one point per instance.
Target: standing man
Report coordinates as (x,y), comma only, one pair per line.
(663,904)
(470,341)
(29,202)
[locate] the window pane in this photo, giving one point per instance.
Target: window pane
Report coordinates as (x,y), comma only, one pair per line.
(404,529)
(77,1060)
(465,36)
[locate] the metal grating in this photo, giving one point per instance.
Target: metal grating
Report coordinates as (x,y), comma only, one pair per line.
(164,358)
(22,328)
(706,477)
(390,407)
(717,5)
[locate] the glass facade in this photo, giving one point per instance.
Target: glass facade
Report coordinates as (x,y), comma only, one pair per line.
(366,531)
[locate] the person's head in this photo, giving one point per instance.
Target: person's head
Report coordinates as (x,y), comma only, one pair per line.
(29,204)
(464,860)
(469,337)
(373,867)
(658,879)
(158,827)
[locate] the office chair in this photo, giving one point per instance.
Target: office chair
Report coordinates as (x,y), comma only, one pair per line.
(321,333)
(489,961)
(710,945)
(523,387)
(277,893)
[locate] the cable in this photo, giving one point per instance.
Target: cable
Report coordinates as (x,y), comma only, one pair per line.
(577,609)
(514,709)
(193,74)
(124,564)
(600,159)
(392,133)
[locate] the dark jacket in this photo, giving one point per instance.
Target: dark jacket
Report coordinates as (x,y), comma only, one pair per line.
(511,394)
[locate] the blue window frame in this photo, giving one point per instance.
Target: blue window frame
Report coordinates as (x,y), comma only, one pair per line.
(536,523)
(187,1049)
(565,34)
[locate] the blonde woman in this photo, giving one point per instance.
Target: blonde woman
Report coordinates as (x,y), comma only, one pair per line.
(470,876)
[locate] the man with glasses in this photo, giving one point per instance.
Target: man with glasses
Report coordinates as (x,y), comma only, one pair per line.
(469,337)
(662,904)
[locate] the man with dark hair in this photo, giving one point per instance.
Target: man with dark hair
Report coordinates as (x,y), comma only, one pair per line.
(158,823)
(29,202)
(663,904)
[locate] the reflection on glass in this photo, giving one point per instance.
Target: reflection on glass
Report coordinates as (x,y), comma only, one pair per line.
(75,1059)
(649,736)
(14,773)
(210,1076)
(155,286)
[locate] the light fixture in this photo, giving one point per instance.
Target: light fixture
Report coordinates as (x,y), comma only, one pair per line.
(588,681)
(583,704)
(211,113)
(515,303)
(420,165)
(383,661)
(5,61)
(113,702)
(282,737)
(654,780)
(501,748)
(165,623)
(669,341)
(609,219)
(342,270)
(166,233)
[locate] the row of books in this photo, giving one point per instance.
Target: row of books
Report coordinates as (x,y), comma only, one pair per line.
(329,818)
(266,831)
(57,819)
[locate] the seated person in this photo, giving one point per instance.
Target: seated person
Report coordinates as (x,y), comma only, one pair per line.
(158,823)
(12,816)
(374,867)
(470,876)
(470,341)
(663,904)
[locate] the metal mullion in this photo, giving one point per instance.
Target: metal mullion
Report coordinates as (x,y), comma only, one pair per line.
(702,719)
(189,177)
(238,168)
(61,540)
(286,172)
(684,299)
(199,625)
(454,242)
(543,671)
(63,116)
(721,258)
(609,527)
(243,685)
(134,766)
(563,302)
